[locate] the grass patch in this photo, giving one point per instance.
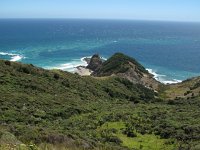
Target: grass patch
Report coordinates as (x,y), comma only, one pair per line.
(145,142)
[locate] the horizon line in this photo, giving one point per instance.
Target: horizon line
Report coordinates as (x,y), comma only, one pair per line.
(114,19)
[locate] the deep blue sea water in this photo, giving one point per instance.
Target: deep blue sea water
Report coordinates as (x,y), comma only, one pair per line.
(170,49)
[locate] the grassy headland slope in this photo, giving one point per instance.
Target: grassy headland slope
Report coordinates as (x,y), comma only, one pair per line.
(187,89)
(126,67)
(42,109)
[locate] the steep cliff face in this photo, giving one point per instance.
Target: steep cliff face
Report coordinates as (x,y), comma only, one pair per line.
(95,62)
(128,68)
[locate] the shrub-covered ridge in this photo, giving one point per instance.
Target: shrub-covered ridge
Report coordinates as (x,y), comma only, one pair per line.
(42,109)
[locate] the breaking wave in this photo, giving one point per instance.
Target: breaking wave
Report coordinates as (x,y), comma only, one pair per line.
(12,56)
(163,78)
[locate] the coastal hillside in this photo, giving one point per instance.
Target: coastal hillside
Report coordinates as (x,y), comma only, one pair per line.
(126,67)
(57,110)
(185,90)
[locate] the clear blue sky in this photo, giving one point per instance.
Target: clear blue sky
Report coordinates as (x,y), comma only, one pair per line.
(175,10)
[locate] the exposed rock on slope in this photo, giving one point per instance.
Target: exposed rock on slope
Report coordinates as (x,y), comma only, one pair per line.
(128,68)
(95,62)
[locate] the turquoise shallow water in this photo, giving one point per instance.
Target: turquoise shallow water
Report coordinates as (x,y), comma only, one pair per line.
(170,50)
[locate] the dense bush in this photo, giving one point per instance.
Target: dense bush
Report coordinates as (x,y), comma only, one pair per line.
(41,106)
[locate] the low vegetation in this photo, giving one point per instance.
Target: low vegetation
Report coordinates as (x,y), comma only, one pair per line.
(186,90)
(119,63)
(41,109)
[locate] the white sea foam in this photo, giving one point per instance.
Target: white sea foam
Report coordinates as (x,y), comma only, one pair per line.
(84,63)
(9,54)
(171,82)
(162,78)
(71,66)
(65,66)
(14,57)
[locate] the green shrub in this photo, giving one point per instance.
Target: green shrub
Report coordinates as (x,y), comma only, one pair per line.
(8,63)
(56,76)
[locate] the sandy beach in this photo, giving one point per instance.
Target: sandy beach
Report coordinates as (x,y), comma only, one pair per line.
(83,71)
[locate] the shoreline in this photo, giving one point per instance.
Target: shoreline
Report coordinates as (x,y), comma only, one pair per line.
(80,67)
(13,57)
(83,71)
(158,77)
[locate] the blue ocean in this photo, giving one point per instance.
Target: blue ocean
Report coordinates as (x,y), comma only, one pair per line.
(170,50)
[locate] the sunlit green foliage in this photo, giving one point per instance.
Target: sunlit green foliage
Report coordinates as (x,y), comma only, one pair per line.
(57,109)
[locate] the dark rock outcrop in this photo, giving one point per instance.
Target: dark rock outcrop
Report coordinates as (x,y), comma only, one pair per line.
(95,63)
